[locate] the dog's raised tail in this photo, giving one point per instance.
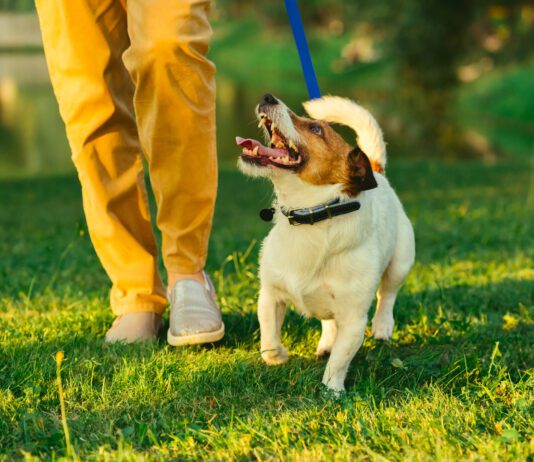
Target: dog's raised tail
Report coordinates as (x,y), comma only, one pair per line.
(346,112)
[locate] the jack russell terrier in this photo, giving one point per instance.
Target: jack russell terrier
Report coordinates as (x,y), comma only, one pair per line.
(340,231)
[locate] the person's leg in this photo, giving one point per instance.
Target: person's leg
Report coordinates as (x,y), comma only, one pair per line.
(84,41)
(175,108)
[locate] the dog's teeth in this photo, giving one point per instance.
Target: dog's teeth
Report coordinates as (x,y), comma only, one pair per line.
(262,122)
(292,146)
(255,151)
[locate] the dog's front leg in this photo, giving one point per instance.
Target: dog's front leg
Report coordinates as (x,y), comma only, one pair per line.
(271,314)
(350,334)
(328,337)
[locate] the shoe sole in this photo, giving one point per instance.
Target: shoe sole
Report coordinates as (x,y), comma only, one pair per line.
(195,339)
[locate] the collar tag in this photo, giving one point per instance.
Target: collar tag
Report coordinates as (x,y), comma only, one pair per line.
(267,214)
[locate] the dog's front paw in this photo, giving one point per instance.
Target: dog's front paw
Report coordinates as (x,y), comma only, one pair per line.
(331,394)
(333,388)
(275,356)
(383,327)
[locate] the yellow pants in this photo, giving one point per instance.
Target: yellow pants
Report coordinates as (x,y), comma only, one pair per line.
(132,76)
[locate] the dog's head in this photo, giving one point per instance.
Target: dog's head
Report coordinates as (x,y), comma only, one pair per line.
(309,148)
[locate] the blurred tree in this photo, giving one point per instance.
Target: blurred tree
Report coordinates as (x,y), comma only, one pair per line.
(429,40)
(435,43)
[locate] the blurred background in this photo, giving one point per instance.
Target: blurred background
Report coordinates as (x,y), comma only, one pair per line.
(451,83)
(448,79)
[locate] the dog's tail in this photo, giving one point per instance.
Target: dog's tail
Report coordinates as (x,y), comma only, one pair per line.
(344,111)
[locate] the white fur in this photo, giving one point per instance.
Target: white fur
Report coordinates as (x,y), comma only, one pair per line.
(332,269)
(344,111)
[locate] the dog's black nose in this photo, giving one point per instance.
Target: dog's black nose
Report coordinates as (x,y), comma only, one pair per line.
(269,99)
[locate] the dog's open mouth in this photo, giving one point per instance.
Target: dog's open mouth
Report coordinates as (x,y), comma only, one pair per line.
(280,152)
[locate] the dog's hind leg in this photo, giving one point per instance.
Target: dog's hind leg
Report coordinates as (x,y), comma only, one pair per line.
(271,313)
(328,337)
(392,279)
(383,321)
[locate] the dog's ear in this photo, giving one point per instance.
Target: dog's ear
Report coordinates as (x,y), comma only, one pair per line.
(360,173)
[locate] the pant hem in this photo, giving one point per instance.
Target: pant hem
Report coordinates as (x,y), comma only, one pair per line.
(138,308)
(186,269)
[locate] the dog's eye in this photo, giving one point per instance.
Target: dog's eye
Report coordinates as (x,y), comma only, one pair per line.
(317,129)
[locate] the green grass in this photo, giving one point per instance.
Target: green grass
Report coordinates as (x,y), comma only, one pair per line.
(454,384)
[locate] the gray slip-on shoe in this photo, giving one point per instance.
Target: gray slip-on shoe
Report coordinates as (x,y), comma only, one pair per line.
(194,315)
(133,327)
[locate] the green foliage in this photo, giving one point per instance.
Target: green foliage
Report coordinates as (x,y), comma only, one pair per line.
(425,43)
(499,106)
(454,384)
(428,42)
(18,6)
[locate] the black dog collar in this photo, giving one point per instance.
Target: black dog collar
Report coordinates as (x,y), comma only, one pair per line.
(311,215)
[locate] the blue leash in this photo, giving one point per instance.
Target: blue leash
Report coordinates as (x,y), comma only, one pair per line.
(302,47)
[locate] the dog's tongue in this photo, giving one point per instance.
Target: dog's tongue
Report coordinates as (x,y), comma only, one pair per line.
(249,143)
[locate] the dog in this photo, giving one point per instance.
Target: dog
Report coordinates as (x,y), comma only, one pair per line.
(340,232)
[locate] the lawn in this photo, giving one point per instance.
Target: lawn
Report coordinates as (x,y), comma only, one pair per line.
(454,384)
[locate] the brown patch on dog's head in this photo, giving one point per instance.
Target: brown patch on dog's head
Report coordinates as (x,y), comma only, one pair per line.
(308,148)
(329,159)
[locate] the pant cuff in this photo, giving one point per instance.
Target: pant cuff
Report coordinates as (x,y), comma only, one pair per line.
(186,267)
(145,307)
